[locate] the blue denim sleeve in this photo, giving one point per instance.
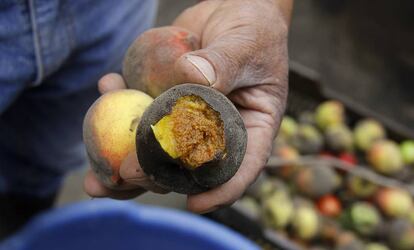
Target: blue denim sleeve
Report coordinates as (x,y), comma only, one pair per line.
(52,53)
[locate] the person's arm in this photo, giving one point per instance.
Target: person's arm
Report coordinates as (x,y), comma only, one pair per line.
(244,55)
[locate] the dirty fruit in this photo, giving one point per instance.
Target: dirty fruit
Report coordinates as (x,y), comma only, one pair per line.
(361,187)
(376,246)
(305,222)
(401,235)
(365,218)
(307,140)
(394,202)
(287,153)
(339,138)
(109,130)
(367,132)
(329,205)
(149,62)
(191,139)
(288,127)
(329,113)
(316,181)
(407,152)
(277,210)
(385,157)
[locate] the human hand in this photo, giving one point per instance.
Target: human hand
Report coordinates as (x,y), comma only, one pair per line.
(243,55)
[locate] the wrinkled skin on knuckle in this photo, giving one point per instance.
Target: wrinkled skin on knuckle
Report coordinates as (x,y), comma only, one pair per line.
(264,45)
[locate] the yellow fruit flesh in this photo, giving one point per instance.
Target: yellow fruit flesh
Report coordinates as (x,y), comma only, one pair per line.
(193,132)
(163,132)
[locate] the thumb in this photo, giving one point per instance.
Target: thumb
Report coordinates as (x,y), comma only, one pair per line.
(210,66)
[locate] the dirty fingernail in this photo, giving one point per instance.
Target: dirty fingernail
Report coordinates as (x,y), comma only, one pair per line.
(204,67)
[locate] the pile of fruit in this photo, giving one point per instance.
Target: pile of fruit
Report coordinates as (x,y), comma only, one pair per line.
(323,207)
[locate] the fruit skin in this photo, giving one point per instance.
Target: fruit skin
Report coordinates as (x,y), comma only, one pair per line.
(265,186)
(348,158)
(305,222)
(385,157)
(394,202)
(288,127)
(330,229)
(407,152)
(307,117)
(329,113)
(109,130)
(367,132)
(288,153)
(348,241)
(316,181)
(149,62)
(410,215)
(339,138)
(360,187)
(169,173)
(250,205)
(376,246)
(329,205)
(401,235)
(307,140)
(277,210)
(269,186)
(364,218)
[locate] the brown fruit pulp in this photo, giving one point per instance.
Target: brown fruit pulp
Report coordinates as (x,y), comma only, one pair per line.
(198,131)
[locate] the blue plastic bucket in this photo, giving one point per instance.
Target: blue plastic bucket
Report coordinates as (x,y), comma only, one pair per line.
(116,225)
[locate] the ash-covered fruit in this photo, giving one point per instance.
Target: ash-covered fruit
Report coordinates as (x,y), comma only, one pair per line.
(394,202)
(361,187)
(286,153)
(367,132)
(401,235)
(376,246)
(330,229)
(316,181)
(385,157)
(305,222)
(191,139)
(339,138)
(348,241)
(307,140)
(149,62)
(277,210)
(109,130)
(407,152)
(307,117)
(329,113)
(364,218)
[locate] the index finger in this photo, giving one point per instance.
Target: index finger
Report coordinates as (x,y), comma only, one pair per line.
(111,82)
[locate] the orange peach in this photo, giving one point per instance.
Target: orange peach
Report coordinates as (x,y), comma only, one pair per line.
(149,62)
(109,131)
